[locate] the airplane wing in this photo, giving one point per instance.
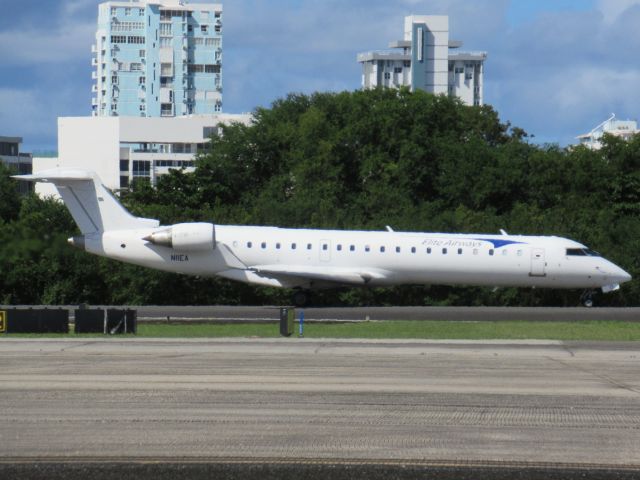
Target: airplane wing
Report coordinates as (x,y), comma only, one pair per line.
(340,275)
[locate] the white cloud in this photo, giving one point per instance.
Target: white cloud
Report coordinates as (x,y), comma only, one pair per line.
(31,46)
(612,9)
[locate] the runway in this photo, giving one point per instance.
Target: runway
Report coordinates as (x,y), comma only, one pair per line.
(477,406)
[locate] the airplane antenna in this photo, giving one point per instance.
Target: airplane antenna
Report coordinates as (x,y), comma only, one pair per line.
(389,229)
(503,232)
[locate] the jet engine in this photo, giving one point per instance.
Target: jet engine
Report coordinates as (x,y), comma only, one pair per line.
(186,237)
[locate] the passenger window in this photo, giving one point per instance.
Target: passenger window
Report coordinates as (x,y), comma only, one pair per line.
(491,252)
(444,251)
(367,248)
(277,246)
(413,249)
(459,251)
(475,251)
(429,251)
(519,253)
(249,244)
(352,248)
(308,246)
(339,247)
(382,249)
(263,244)
(397,249)
(293,246)
(325,246)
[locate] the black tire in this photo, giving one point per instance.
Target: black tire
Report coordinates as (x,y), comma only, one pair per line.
(300,298)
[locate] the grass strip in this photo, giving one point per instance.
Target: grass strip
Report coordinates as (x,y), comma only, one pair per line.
(442,330)
(410,329)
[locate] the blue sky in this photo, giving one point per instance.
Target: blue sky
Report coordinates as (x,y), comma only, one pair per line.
(556,67)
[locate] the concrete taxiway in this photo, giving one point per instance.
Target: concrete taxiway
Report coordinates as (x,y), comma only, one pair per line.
(283,401)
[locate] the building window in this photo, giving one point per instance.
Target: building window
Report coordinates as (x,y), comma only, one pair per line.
(141,12)
(118,39)
(124,182)
(141,168)
(137,40)
(204,29)
(135,67)
(165,41)
(166,109)
(127,11)
(165,29)
(142,53)
(459,70)
(387,76)
(397,70)
(142,80)
(114,11)
(124,165)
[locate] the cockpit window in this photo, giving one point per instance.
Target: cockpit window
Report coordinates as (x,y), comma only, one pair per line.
(582,252)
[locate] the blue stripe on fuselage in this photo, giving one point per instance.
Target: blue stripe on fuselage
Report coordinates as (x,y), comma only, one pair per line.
(497,243)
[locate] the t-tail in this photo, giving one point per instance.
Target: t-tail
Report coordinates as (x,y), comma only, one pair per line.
(93,207)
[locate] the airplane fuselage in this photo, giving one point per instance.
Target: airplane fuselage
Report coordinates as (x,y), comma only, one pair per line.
(308,258)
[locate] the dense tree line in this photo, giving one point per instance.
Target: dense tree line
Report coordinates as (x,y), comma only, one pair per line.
(361,160)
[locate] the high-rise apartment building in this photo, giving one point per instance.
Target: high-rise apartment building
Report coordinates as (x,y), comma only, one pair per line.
(157,58)
(426,60)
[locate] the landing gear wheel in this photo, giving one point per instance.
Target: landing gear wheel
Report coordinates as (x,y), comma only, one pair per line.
(300,298)
(587,298)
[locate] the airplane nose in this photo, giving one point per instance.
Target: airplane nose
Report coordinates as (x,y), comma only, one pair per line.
(624,276)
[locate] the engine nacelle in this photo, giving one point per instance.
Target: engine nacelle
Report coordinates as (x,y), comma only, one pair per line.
(186,237)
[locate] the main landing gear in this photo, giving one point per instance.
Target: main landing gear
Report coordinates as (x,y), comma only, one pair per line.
(300,298)
(587,298)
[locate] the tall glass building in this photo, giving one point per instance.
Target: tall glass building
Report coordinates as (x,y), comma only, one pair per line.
(157,58)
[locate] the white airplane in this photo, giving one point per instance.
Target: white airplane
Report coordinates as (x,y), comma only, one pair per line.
(305,259)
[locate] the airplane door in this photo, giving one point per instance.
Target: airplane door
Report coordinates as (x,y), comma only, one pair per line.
(325,250)
(537,263)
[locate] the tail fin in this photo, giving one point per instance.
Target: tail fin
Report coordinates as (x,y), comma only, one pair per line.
(91,204)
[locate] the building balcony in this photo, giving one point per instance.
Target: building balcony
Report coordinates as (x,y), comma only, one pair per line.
(94,49)
(94,62)
(94,75)
(94,88)
(94,102)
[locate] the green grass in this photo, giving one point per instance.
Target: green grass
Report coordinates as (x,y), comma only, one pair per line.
(444,330)
(613,331)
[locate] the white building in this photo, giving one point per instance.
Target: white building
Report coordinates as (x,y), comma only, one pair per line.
(624,129)
(121,149)
(426,60)
(19,162)
(157,58)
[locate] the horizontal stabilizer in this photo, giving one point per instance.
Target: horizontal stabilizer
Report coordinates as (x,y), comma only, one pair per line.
(92,205)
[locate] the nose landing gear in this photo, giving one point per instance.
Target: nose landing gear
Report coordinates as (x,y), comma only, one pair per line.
(587,298)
